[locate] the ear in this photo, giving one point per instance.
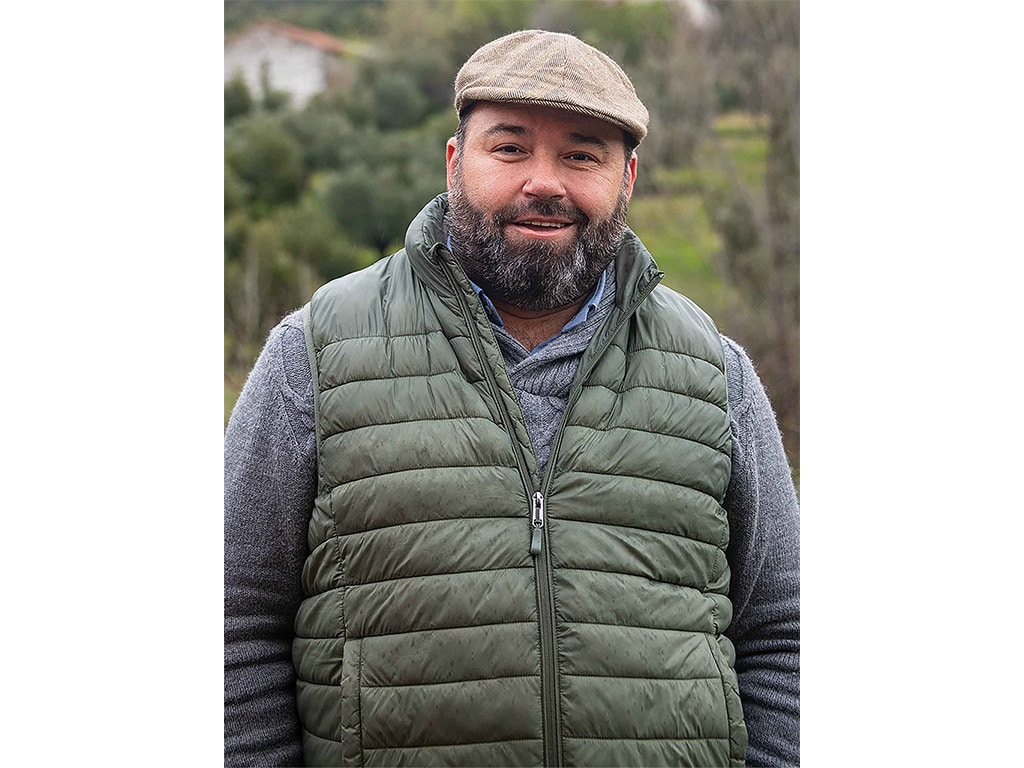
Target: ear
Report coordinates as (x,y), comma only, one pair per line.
(631,172)
(451,152)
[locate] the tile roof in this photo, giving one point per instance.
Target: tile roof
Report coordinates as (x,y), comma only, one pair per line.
(311,37)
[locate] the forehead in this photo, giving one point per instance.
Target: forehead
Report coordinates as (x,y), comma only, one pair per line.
(536,120)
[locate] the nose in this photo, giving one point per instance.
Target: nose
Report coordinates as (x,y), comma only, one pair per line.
(544,181)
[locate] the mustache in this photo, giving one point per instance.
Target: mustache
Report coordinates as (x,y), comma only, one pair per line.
(549,208)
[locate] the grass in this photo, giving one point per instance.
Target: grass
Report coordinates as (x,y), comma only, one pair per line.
(679,236)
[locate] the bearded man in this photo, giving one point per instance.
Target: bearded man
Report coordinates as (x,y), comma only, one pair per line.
(501,499)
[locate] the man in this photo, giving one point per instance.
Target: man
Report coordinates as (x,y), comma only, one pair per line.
(500,499)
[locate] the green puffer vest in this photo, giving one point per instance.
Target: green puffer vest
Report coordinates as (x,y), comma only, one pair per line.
(462,609)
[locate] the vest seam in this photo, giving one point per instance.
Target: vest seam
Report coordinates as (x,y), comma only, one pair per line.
(733,745)
(651,738)
(315,639)
(417,334)
(314,361)
(715,574)
(431,419)
(657,389)
(359,698)
(342,483)
(635,528)
(341,576)
(638,477)
(317,735)
(559,653)
(461,744)
(680,353)
(314,369)
(432,520)
(442,573)
(443,629)
(645,677)
(452,682)
(649,432)
(398,377)
(698,590)
(620,625)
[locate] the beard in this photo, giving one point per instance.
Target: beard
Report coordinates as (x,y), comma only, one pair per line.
(532,275)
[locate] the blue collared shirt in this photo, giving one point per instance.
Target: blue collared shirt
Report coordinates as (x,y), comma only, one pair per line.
(584,312)
(588,306)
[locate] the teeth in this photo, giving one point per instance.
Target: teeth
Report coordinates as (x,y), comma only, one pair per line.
(552,224)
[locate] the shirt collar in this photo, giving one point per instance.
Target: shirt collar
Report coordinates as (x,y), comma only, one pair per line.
(584,312)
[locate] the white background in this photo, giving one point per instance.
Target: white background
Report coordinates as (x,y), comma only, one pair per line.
(112,384)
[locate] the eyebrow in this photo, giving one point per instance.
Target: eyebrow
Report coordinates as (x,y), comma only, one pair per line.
(497,128)
(593,141)
(518,130)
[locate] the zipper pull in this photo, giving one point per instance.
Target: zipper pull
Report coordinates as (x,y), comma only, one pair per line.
(537,520)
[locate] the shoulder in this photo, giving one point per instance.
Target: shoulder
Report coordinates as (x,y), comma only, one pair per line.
(279,389)
(750,413)
(742,378)
(288,361)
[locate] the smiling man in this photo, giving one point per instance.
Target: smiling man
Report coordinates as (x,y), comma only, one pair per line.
(501,498)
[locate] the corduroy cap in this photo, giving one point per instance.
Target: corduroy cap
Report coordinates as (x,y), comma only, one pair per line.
(555,70)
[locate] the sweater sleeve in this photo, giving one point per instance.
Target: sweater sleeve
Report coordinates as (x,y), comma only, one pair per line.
(269,485)
(764,558)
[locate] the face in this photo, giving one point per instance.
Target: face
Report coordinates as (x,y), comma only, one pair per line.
(537,202)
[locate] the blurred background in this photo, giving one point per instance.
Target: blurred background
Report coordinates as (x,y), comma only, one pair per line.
(336,115)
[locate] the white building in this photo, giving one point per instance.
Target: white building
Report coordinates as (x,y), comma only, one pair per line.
(300,62)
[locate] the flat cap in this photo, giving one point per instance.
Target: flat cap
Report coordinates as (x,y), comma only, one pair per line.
(555,70)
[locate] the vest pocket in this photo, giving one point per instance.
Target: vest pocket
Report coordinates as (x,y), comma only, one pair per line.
(733,706)
(351,682)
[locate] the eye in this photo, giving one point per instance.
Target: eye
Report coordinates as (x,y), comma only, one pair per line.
(582,157)
(509,149)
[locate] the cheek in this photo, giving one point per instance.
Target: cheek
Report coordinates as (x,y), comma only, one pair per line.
(601,200)
(490,186)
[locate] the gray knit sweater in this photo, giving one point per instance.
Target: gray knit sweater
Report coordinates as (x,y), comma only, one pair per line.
(269,486)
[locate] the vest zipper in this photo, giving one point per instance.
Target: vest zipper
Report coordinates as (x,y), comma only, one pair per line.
(539,548)
(550,709)
(548,652)
(537,519)
(542,556)
(541,552)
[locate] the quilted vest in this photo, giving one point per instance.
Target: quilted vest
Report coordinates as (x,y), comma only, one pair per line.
(464,610)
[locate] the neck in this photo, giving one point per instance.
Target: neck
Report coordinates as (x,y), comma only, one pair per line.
(533,327)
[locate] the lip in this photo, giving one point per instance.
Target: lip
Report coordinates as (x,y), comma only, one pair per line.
(542,226)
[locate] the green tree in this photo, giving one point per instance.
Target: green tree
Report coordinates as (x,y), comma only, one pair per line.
(397,101)
(324,133)
(310,234)
(267,159)
(756,53)
(370,204)
(382,188)
(237,99)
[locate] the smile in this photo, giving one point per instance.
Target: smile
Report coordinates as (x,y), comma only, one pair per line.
(544,224)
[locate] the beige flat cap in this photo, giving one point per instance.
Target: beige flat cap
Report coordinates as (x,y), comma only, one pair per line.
(552,69)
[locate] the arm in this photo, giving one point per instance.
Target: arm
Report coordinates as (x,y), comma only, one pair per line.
(764,556)
(269,484)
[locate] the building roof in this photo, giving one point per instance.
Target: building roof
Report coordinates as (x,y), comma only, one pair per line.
(311,37)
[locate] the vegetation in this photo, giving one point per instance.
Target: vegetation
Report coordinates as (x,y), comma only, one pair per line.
(314,193)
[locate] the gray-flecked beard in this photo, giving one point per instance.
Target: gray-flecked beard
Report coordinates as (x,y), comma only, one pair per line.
(539,275)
